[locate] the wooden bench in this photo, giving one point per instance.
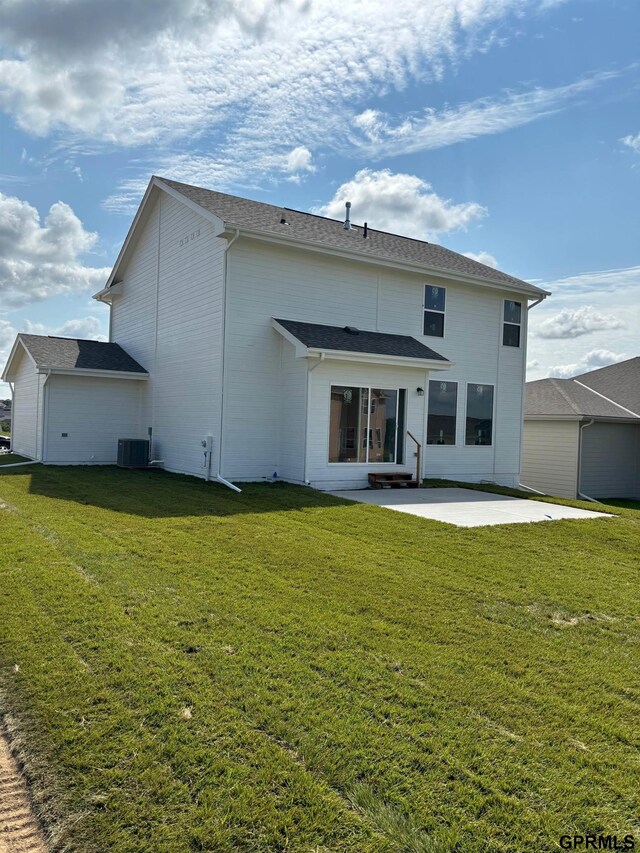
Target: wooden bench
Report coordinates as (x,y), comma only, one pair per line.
(392,480)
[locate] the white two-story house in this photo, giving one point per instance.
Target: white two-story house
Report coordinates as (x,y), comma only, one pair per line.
(250,340)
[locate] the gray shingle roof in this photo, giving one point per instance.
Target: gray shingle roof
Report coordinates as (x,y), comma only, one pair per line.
(70,353)
(619,382)
(564,397)
(337,338)
(254,215)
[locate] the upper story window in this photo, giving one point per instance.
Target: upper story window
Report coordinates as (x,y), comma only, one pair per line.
(512,323)
(434,301)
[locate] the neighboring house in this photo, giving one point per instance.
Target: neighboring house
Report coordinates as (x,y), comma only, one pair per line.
(283,342)
(582,435)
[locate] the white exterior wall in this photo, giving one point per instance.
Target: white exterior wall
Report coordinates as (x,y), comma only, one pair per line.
(611,461)
(94,413)
(353,475)
(293,414)
(26,419)
(169,318)
(267,281)
(550,457)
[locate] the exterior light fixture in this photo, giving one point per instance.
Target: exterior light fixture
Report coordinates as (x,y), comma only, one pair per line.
(420,392)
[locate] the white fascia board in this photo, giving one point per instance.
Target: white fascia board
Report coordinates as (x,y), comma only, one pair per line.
(197,208)
(461,278)
(301,350)
(98,374)
(154,184)
(14,349)
(376,359)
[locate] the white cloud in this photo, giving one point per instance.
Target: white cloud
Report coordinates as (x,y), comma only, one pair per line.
(40,260)
(482,258)
(575,322)
(599,281)
(300,160)
(82,327)
(590,361)
(381,136)
(603,303)
(400,203)
(633,142)
(243,81)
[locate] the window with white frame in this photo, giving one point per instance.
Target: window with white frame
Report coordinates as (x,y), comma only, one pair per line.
(479,420)
(366,424)
(512,323)
(434,307)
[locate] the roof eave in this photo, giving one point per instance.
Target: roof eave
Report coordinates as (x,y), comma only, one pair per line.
(154,183)
(380,359)
(577,417)
(231,229)
(89,372)
(6,373)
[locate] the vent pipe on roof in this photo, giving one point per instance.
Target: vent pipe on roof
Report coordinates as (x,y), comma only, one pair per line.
(347,222)
(283,217)
(365,232)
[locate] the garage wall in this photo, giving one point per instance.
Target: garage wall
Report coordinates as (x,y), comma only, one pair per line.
(94,413)
(26,418)
(611,461)
(550,457)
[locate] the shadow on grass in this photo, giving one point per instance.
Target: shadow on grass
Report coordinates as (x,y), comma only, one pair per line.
(159,494)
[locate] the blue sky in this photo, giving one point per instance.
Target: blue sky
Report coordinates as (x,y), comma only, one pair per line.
(508,129)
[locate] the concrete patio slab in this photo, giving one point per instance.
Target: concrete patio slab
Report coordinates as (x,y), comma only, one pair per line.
(465,507)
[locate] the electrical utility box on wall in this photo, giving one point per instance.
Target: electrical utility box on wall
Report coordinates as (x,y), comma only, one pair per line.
(133,452)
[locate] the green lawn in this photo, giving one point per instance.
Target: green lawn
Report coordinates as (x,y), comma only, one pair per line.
(184,668)
(11,458)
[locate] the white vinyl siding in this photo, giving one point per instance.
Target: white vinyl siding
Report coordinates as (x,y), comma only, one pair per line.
(26,434)
(611,461)
(325,475)
(175,278)
(268,281)
(293,414)
(550,457)
(86,416)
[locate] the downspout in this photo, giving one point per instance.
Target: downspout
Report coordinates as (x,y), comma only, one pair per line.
(219,478)
(524,383)
(306,417)
(45,413)
(580,493)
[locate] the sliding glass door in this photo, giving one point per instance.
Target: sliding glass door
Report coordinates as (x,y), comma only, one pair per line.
(366,424)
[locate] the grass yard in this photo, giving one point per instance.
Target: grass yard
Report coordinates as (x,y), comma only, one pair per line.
(11,458)
(183,668)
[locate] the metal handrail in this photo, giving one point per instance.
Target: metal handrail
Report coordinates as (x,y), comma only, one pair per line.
(419,455)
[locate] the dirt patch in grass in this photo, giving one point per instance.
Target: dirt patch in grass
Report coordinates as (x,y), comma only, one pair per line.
(19,828)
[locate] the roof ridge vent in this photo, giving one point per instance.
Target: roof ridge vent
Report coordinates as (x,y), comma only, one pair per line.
(347,221)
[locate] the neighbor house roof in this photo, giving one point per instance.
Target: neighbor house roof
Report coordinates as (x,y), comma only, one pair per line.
(74,354)
(582,396)
(255,216)
(316,336)
(619,382)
